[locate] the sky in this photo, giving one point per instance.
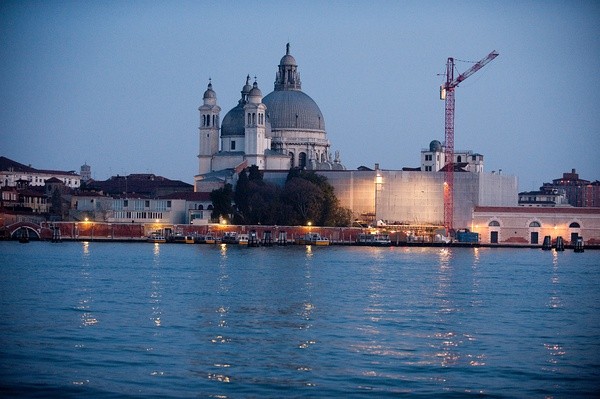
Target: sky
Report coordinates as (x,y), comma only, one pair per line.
(117,84)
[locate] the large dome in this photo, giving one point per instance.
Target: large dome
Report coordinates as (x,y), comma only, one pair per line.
(233,122)
(292,109)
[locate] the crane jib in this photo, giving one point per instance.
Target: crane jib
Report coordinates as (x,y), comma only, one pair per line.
(477,66)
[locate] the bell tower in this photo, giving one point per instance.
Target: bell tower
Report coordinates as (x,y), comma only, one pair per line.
(209,130)
(255,128)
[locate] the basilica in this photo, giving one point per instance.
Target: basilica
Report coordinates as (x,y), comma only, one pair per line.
(279,131)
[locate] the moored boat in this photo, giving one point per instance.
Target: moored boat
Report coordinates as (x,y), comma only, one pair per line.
(156,237)
(242,239)
(230,237)
(374,240)
(313,239)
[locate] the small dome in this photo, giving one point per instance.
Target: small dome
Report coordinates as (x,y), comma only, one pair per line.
(288,60)
(246,89)
(435,146)
(209,93)
(255,92)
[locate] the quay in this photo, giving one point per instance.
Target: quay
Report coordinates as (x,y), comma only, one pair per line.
(402,236)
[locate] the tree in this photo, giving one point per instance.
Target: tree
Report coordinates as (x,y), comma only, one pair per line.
(255,175)
(241,196)
(221,200)
(306,199)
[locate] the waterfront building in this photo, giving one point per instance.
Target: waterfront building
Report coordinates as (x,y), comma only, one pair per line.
(11,172)
(281,130)
(400,197)
(525,225)
(176,208)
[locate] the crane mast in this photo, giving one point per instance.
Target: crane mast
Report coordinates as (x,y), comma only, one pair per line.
(447,93)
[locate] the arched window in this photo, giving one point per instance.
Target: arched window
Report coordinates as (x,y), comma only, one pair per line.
(494,223)
(459,159)
(249,118)
(574,225)
(535,224)
(203,120)
(210,207)
(201,207)
(302,160)
(291,154)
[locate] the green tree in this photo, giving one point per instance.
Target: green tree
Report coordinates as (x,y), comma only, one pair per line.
(221,200)
(305,198)
(241,196)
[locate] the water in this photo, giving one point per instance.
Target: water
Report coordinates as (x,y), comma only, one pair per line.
(159,320)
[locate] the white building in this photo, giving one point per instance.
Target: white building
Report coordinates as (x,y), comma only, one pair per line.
(11,172)
(434,159)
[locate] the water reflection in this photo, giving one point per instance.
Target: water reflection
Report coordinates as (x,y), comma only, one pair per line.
(156,289)
(554,300)
(84,303)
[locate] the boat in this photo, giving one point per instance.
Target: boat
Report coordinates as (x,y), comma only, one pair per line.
(156,237)
(374,240)
(189,239)
(209,239)
(230,237)
(313,239)
(242,239)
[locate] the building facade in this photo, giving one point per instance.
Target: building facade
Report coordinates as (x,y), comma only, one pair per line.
(11,172)
(528,226)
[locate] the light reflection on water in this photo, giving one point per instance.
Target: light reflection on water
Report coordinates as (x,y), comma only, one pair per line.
(307,321)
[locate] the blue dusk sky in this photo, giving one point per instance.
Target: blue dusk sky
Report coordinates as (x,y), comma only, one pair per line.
(117,84)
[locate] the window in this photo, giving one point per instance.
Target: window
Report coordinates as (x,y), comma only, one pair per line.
(494,223)
(232,145)
(574,225)
(459,159)
(429,157)
(147,204)
(535,224)
(427,168)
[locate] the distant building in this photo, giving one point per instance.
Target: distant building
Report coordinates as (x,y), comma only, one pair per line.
(545,197)
(85,172)
(434,159)
(144,184)
(579,192)
(11,172)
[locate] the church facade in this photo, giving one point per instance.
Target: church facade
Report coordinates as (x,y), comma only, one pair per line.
(281,130)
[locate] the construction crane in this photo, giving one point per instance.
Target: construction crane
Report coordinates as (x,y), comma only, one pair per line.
(447,94)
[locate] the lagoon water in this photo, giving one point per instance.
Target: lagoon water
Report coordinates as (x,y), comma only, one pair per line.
(90,319)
